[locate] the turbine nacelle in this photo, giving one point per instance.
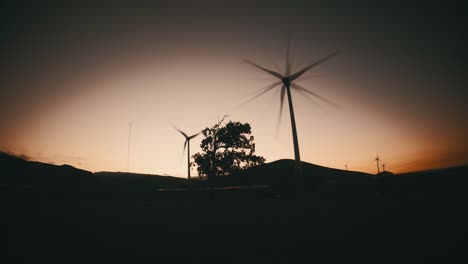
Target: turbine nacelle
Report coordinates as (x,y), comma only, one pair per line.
(286,81)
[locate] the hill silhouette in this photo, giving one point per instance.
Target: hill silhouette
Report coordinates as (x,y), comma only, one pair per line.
(281,170)
(279,175)
(135,181)
(19,173)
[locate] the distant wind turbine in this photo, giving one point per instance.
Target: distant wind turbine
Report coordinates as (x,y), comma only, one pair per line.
(187,145)
(346,167)
(377,159)
(383,166)
(287,81)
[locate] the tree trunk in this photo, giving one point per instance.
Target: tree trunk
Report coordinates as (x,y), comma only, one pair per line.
(211,178)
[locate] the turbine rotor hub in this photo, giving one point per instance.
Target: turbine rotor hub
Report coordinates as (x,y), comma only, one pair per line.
(286,81)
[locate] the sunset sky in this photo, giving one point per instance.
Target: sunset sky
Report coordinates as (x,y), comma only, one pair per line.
(74,77)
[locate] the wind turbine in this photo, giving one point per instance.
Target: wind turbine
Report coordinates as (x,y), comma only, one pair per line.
(287,83)
(187,145)
(377,159)
(383,167)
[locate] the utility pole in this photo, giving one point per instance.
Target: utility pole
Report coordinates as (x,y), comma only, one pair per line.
(128,149)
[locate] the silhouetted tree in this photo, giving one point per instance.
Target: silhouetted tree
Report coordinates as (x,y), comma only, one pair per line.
(226,150)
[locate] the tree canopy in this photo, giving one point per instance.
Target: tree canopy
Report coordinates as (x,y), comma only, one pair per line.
(226,149)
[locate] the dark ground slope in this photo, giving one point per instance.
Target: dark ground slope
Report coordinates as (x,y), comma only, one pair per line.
(122,183)
(316,178)
(18,173)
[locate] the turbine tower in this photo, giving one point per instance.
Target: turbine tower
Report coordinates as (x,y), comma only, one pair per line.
(287,83)
(187,145)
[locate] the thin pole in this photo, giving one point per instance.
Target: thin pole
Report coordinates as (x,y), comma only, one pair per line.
(128,150)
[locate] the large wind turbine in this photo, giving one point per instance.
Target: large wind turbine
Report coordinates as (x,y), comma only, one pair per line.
(187,145)
(287,80)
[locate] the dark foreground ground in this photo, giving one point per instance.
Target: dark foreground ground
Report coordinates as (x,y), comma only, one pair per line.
(239,226)
(60,214)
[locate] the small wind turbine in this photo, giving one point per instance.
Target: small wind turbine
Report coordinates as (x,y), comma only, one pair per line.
(287,81)
(383,166)
(187,145)
(377,159)
(346,166)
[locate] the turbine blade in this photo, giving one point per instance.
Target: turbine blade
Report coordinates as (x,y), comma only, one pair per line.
(277,75)
(300,88)
(287,67)
(309,98)
(283,91)
(272,62)
(185,146)
(192,136)
(183,152)
(299,73)
(180,131)
(263,91)
(292,57)
(314,76)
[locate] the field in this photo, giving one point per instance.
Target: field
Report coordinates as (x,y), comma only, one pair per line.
(148,229)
